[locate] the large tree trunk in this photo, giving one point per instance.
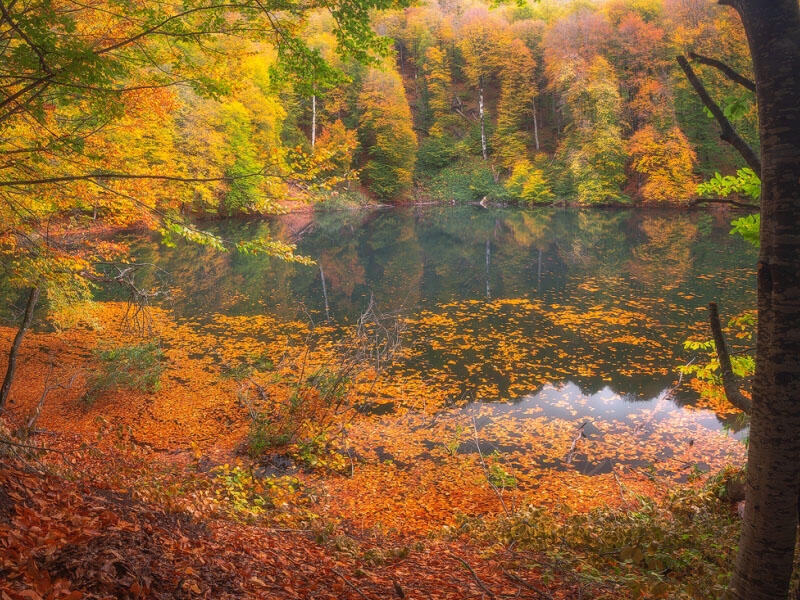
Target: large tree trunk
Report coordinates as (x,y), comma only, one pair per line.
(33,298)
(766,550)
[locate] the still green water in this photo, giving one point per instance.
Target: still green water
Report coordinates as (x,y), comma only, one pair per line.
(500,304)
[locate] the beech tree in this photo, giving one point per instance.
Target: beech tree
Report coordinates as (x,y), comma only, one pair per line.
(593,150)
(515,108)
(385,133)
(666,160)
(480,43)
(767,548)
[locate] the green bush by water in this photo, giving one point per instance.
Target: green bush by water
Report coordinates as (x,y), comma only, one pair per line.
(136,367)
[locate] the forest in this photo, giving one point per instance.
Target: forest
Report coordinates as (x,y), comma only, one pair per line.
(534,102)
(380,298)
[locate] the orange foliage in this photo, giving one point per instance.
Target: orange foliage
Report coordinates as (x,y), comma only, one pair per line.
(408,474)
(667,161)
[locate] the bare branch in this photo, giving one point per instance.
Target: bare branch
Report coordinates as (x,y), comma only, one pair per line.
(725,70)
(486,472)
(477,579)
(728,134)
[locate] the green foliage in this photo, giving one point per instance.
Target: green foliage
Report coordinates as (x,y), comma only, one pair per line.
(593,151)
(243,190)
(238,488)
(264,433)
(318,453)
(434,154)
(466,180)
(740,327)
(452,444)
(498,477)
(331,385)
(749,228)
(529,184)
(243,496)
(386,136)
(245,368)
(342,200)
(126,367)
(681,548)
(745,182)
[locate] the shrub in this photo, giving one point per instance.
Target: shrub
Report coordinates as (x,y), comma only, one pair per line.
(529,183)
(682,547)
(126,367)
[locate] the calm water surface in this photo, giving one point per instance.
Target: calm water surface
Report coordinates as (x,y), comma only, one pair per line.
(524,306)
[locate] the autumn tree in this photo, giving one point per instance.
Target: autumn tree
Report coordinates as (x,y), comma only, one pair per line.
(438,149)
(438,76)
(639,55)
(481,43)
(74,96)
(666,161)
(388,143)
(515,108)
(593,150)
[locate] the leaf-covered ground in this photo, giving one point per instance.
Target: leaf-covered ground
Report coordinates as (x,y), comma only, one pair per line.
(149,494)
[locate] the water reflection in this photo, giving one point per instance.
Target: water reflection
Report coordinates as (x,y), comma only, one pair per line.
(608,431)
(500,303)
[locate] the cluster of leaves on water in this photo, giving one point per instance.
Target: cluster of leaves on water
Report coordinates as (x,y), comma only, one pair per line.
(403,463)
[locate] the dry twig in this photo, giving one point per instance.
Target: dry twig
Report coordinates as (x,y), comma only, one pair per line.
(481,585)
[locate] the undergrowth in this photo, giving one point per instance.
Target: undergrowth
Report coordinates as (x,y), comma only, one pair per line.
(136,367)
(681,547)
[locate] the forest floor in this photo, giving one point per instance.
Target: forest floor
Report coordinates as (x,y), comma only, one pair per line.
(152,494)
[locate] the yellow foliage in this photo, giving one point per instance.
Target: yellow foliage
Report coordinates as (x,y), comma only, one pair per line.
(667,161)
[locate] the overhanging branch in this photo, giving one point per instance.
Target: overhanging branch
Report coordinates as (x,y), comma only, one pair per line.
(728,134)
(100,176)
(725,70)
(730,201)
(732,392)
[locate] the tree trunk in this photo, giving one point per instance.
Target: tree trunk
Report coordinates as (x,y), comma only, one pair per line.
(313,122)
(535,124)
(732,393)
(484,148)
(767,546)
(33,298)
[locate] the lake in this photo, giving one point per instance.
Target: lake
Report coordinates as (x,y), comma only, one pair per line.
(570,313)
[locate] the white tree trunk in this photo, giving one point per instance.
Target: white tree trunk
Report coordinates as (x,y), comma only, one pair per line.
(313,121)
(484,147)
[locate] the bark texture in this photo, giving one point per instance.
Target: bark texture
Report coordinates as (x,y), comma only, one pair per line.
(766,551)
